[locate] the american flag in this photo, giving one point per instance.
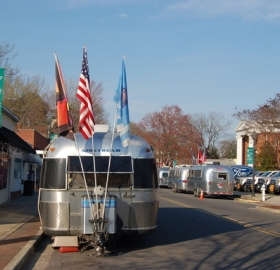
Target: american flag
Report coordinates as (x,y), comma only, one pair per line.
(86,122)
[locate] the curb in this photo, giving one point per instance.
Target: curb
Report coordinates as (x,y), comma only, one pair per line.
(246,200)
(266,208)
(24,254)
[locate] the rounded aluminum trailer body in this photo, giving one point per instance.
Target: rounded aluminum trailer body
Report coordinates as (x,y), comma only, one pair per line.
(211,180)
(131,205)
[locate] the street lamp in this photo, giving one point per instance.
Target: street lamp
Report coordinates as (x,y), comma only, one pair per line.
(254,137)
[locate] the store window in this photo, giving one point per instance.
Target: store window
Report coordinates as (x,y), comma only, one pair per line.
(17,168)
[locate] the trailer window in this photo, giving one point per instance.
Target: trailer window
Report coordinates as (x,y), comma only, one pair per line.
(53,173)
(195,174)
(145,173)
(222,176)
(171,173)
(116,180)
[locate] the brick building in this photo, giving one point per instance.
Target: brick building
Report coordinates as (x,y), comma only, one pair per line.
(252,138)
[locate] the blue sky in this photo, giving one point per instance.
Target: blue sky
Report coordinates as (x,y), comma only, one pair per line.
(202,55)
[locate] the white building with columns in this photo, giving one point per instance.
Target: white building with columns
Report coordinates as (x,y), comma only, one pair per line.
(246,138)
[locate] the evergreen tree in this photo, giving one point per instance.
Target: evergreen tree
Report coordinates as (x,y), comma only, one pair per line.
(266,159)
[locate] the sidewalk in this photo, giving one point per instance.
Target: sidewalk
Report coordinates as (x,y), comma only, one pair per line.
(19,231)
(20,226)
(269,203)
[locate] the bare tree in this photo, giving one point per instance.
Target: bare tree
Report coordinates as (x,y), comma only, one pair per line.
(228,148)
(6,56)
(170,133)
(100,114)
(35,104)
(23,98)
(211,128)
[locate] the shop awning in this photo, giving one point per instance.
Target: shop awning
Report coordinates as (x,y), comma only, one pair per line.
(13,139)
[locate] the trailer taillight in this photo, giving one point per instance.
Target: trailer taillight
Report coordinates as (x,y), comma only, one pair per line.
(185,181)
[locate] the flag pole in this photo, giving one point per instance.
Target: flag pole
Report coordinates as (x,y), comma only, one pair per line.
(109,163)
(84,177)
(94,165)
(95,178)
(86,121)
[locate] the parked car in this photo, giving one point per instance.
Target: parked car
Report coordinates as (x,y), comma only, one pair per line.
(240,182)
(274,185)
(267,177)
(244,183)
(248,184)
(259,184)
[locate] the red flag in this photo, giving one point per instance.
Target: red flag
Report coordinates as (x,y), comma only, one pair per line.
(64,120)
(201,157)
(86,122)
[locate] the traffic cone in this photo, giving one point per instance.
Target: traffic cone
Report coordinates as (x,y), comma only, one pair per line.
(201,194)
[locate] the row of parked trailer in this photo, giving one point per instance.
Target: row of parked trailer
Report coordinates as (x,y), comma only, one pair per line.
(213,180)
(217,179)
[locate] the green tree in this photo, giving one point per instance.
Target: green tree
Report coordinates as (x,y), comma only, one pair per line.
(266,159)
(212,153)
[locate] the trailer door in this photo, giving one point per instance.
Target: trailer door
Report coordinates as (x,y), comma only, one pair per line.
(220,182)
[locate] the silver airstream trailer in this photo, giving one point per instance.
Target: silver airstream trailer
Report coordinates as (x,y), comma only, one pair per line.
(78,197)
(211,180)
(163,176)
(178,178)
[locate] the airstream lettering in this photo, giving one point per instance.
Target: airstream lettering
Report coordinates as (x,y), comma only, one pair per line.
(78,197)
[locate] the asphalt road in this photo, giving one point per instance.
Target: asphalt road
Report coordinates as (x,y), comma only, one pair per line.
(192,233)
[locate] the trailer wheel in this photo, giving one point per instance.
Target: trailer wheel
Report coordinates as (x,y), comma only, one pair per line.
(175,188)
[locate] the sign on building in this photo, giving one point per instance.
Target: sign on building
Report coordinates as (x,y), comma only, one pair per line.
(250,155)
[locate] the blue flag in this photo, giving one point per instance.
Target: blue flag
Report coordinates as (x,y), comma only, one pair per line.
(121,99)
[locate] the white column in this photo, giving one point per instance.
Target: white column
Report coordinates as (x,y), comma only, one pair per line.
(239,150)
